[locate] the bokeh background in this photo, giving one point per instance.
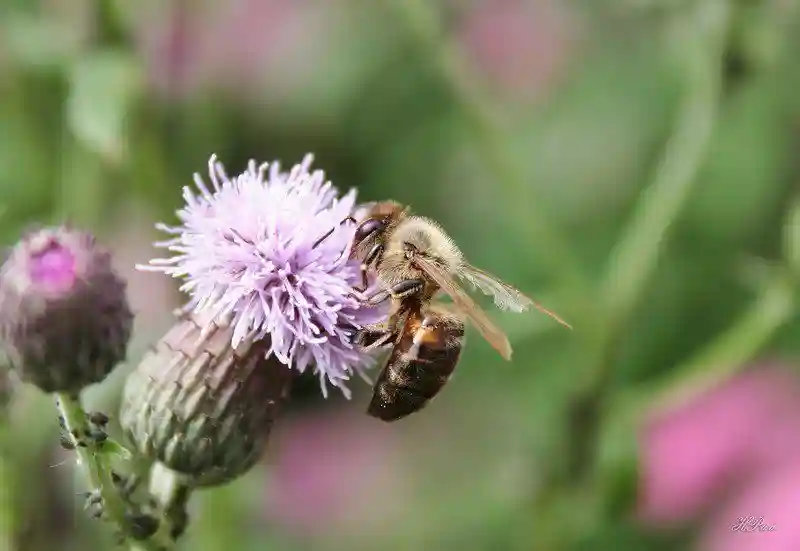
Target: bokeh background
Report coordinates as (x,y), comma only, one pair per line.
(633,164)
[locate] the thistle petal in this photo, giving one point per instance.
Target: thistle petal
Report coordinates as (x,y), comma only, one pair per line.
(247,248)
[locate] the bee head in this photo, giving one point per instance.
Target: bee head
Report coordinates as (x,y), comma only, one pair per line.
(380,217)
(369,228)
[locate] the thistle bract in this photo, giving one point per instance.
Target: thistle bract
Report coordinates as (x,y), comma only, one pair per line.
(269,250)
(64,317)
(202,407)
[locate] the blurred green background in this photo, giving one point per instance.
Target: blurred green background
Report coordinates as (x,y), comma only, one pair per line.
(632,164)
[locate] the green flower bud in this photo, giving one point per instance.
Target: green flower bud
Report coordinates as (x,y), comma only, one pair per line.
(200,407)
(64,317)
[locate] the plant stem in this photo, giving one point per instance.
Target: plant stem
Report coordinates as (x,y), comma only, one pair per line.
(701,45)
(492,139)
(731,350)
(727,354)
(172,491)
(111,31)
(99,475)
(635,257)
(8,513)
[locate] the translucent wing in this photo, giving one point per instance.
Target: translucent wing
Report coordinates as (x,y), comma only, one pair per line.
(505,296)
(465,304)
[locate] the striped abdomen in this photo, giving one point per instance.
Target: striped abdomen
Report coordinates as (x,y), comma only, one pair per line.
(421,362)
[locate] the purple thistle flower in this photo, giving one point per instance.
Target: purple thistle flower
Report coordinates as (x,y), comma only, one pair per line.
(246,249)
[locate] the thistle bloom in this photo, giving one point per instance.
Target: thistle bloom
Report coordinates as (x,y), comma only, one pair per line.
(249,250)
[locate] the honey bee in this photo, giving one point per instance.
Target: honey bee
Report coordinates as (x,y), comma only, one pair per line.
(414,260)
(426,350)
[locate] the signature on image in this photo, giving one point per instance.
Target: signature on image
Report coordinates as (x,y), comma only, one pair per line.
(752,524)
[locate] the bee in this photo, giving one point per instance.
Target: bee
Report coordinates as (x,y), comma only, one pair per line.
(415,260)
(426,347)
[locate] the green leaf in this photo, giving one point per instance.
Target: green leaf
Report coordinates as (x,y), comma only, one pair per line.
(112,447)
(103,87)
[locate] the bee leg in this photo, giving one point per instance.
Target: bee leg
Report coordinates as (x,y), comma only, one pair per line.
(364,281)
(399,291)
(372,257)
(384,340)
(377,297)
(374,336)
(407,288)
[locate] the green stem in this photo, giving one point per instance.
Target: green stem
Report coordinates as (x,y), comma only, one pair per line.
(111,30)
(726,355)
(172,491)
(8,522)
(730,351)
(635,258)
(99,475)
(636,255)
(491,138)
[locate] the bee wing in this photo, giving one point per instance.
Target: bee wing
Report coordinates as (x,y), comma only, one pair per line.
(465,304)
(505,296)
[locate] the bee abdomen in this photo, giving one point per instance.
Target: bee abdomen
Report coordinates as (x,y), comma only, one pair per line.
(416,372)
(425,374)
(391,402)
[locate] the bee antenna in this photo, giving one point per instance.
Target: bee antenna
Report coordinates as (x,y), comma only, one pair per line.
(330,232)
(552,314)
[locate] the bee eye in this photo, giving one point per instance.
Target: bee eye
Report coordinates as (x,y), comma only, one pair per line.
(367,228)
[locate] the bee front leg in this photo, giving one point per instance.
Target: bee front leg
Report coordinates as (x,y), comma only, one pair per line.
(371,259)
(364,279)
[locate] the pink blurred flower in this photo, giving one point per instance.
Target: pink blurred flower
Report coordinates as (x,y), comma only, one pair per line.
(773,499)
(236,45)
(520,46)
(335,471)
(731,453)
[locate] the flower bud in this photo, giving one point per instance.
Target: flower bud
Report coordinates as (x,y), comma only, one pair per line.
(64,317)
(202,407)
